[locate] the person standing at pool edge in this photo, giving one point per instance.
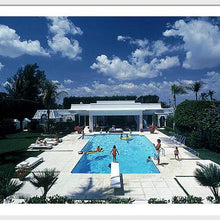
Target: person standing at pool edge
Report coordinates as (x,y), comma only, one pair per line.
(114,151)
(157,154)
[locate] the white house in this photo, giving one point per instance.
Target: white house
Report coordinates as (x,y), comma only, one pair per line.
(140,111)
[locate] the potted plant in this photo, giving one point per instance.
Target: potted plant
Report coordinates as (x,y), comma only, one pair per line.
(152,128)
(22,172)
(78,129)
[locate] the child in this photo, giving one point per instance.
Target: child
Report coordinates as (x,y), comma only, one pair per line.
(114,151)
(176,153)
(149,159)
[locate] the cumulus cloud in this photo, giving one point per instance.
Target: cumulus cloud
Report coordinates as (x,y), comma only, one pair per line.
(212,82)
(138,42)
(162,88)
(137,68)
(12,46)
(201,42)
(154,48)
(59,28)
(144,62)
(68,81)
(1,65)
(168,62)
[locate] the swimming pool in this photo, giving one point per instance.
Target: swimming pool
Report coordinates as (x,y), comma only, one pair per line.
(132,155)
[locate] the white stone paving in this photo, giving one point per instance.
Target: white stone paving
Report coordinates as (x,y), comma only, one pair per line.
(64,157)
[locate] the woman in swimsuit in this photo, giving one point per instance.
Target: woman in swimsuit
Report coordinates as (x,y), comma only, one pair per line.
(114,151)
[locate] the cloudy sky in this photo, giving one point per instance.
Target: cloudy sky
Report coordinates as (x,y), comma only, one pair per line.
(107,56)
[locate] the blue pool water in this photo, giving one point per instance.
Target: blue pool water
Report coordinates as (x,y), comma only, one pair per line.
(132,155)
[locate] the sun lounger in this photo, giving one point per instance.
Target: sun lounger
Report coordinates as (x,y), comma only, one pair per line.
(182,141)
(40,146)
(172,136)
(115,176)
(177,139)
(51,141)
(191,151)
(30,162)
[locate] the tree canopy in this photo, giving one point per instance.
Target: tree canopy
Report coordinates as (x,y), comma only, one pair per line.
(27,83)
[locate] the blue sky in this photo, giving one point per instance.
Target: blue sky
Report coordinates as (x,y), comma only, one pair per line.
(115,55)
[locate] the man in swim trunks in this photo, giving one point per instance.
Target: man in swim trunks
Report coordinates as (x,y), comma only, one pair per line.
(157,154)
(114,151)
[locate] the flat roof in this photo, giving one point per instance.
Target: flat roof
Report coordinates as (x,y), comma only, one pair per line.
(116,106)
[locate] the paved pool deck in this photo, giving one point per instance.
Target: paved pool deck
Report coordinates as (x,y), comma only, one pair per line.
(173,177)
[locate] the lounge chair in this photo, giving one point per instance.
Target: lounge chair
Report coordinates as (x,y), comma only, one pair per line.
(30,162)
(115,181)
(51,141)
(173,137)
(177,139)
(40,146)
(182,141)
(191,151)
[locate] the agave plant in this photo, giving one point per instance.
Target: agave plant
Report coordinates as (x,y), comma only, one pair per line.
(44,179)
(209,175)
(8,186)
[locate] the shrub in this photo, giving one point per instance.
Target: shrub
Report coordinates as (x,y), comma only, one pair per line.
(63,199)
(64,126)
(200,122)
(1,199)
(213,200)
(169,121)
(8,185)
(157,201)
(188,200)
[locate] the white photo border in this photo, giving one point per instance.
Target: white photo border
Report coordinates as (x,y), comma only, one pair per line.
(122,212)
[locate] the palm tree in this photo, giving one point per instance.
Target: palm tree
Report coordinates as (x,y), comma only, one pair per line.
(44,179)
(50,94)
(203,96)
(210,94)
(195,87)
(177,90)
(209,175)
(7,185)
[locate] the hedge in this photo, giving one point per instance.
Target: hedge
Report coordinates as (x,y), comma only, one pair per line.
(199,121)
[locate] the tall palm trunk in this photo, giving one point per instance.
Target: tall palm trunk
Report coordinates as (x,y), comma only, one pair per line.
(196,96)
(48,120)
(174,101)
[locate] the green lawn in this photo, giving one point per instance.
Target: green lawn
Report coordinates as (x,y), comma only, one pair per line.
(204,154)
(13,149)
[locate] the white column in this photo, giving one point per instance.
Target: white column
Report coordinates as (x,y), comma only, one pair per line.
(141,121)
(158,120)
(91,122)
(165,121)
